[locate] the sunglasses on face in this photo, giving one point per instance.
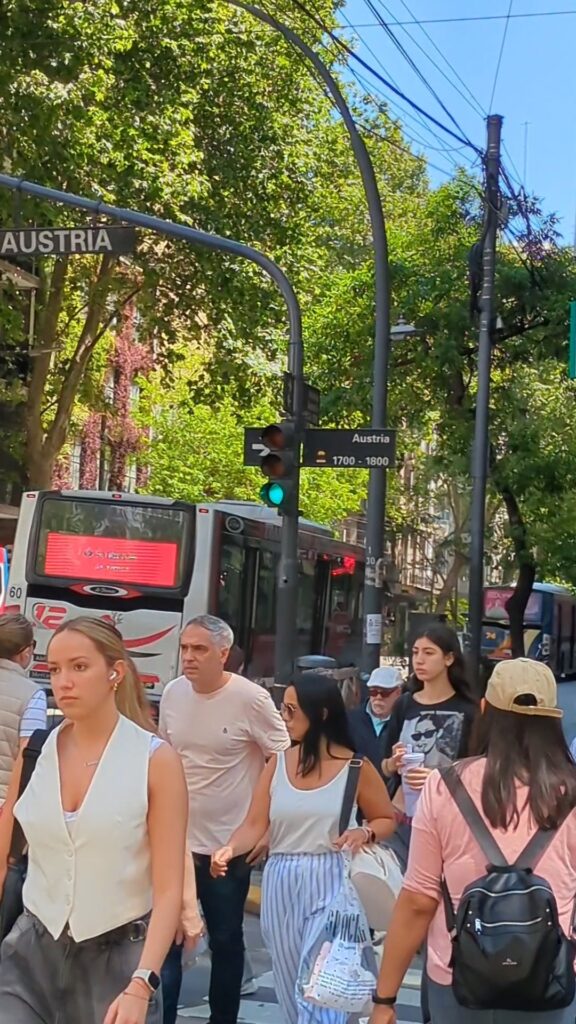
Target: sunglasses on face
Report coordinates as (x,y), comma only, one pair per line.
(288,711)
(427,735)
(382,693)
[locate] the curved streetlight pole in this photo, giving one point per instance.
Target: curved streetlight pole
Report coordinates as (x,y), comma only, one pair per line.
(376,507)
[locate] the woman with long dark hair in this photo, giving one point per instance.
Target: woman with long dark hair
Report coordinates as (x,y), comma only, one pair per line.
(434,719)
(522,779)
(299,797)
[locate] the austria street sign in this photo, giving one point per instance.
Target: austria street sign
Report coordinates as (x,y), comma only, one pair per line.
(365,448)
(96,239)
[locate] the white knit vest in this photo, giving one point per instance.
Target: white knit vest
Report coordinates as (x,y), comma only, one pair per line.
(97,877)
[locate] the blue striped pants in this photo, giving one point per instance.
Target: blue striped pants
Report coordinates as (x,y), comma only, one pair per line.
(297,889)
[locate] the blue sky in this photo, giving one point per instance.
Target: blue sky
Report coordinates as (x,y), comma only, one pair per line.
(536,83)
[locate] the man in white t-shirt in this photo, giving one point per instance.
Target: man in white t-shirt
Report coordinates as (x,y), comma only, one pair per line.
(224,727)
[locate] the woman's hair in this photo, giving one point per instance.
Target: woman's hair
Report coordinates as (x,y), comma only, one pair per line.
(529,749)
(16,634)
(321,701)
(447,640)
(130,696)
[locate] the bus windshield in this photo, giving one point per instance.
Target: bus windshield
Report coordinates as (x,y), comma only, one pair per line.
(495,599)
(111,541)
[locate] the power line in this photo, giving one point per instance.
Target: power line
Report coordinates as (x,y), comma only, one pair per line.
(484,17)
(399,46)
(385,81)
(415,136)
(472,101)
(500,55)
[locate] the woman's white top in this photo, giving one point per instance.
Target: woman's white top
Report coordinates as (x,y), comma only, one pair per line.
(305,820)
(97,875)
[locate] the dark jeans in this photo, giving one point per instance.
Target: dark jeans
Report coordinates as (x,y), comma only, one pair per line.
(222,901)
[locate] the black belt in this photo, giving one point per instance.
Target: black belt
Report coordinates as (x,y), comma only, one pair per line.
(133,931)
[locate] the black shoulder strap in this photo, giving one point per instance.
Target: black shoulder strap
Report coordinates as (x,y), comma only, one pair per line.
(537,846)
(473,818)
(350,792)
(30,756)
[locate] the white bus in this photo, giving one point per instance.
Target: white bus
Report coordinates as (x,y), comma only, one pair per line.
(149,564)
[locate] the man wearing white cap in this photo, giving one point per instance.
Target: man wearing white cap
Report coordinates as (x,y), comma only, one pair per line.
(368,723)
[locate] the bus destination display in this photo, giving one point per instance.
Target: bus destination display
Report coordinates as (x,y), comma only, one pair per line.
(148,563)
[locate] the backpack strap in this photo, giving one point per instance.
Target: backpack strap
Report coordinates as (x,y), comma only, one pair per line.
(30,755)
(473,818)
(480,831)
(538,845)
(350,792)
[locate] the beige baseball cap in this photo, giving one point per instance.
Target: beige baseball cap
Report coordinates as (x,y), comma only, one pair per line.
(512,679)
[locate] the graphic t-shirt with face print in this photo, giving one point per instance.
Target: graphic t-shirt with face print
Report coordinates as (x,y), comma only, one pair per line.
(440,731)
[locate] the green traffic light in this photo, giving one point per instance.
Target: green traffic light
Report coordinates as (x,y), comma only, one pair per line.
(272,494)
(275,494)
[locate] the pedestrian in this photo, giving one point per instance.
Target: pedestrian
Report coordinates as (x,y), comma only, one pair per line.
(300,797)
(433,719)
(522,779)
(23,706)
(103,892)
(224,727)
(368,723)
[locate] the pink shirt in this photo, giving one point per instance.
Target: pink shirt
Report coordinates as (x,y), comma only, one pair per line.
(223,739)
(442,843)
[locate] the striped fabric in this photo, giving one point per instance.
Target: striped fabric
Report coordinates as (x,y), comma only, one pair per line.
(296,890)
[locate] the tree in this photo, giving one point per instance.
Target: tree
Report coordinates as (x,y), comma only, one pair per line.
(433,379)
(159,105)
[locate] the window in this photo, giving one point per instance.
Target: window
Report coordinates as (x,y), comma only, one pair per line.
(113,542)
(230,583)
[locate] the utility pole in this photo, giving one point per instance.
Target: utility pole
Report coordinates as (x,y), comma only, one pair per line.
(481,423)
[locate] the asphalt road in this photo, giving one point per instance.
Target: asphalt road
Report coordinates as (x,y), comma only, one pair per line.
(567,701)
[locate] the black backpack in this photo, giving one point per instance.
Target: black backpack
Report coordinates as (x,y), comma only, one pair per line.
(508,949)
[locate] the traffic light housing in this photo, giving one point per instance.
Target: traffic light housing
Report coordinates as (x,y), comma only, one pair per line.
(279,462)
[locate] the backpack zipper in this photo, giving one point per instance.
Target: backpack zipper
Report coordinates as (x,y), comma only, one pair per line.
(511,892)
(478,924)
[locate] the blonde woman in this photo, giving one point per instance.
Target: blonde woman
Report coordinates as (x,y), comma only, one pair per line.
(22,703)
(103,892)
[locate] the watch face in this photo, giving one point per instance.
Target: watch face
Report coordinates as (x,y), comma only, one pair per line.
(153,980)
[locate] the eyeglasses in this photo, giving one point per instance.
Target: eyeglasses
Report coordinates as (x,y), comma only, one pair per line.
(382,693)
(288,710)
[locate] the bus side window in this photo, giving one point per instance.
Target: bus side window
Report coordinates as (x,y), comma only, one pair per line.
(230,582)
(262,661)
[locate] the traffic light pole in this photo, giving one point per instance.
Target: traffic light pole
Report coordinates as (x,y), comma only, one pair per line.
(481,436)
(376,506)
(288,568)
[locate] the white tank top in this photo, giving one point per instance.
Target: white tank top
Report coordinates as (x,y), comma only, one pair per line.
(305,820)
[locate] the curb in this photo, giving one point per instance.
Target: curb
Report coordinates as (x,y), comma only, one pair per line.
(252,905)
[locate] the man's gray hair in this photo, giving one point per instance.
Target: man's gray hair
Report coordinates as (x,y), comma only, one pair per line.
(220,631)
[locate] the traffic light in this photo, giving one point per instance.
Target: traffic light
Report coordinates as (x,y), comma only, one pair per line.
(279,462)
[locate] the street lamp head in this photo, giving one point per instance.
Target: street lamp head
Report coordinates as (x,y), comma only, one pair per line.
(402,330)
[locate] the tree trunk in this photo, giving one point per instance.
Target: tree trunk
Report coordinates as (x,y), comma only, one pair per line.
(450,583)
(516,605)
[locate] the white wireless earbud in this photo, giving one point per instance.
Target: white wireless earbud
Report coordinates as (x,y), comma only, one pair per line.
(113,675)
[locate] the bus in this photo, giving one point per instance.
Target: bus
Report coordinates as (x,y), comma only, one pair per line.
(549,626)
(150,564)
